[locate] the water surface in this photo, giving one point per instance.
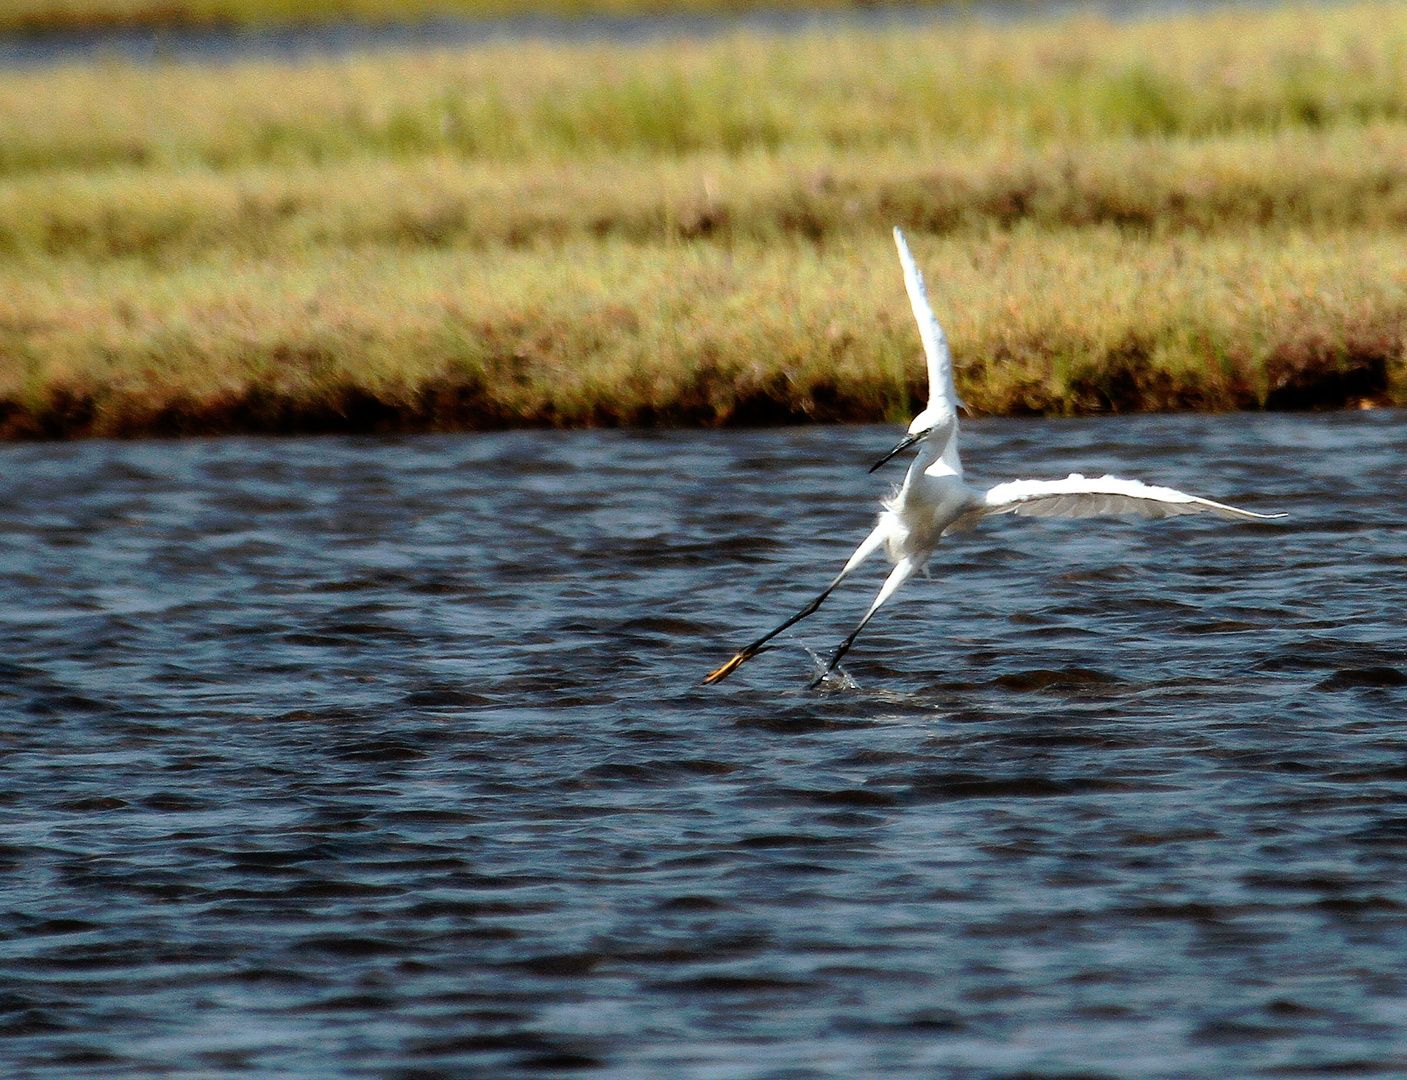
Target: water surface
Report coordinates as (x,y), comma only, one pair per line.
(388,758)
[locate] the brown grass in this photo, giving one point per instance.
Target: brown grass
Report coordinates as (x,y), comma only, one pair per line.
(1187,214)
(1339,178)
(608,333)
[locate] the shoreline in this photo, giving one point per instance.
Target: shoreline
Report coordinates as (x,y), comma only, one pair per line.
(356,414)
(706,399)
(442,410)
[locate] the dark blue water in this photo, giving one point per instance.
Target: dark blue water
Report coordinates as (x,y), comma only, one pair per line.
(388,758)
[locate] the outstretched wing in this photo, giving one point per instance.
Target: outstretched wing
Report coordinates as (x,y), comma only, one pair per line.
(941,389)
(1106,496)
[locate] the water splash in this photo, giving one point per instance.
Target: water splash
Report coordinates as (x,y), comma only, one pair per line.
(834,679)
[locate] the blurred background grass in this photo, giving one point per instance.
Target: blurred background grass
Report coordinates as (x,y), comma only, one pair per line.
(1193,211)
(69,14)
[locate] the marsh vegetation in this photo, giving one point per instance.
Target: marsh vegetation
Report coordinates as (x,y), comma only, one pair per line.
(1194,212)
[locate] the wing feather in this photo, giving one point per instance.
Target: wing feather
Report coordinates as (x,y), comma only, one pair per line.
(1106,496)
(941,388)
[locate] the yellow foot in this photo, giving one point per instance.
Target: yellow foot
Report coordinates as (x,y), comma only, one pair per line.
(728,668)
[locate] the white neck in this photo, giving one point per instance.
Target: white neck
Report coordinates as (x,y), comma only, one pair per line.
(940,458)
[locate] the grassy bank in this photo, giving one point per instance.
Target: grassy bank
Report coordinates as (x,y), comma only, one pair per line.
(610,333)
(1342,178)
(1194,213)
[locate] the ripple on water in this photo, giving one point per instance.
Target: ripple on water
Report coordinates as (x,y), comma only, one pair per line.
(387,757)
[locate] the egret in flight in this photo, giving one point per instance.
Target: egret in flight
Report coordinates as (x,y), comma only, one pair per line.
(935,501)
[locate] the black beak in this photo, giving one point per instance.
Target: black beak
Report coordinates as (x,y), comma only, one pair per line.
(904,443)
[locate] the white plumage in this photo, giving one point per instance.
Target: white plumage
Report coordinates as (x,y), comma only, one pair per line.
(1105,496)
(935,501)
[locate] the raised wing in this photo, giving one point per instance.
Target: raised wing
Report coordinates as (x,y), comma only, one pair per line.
(1106,496)
(941,389)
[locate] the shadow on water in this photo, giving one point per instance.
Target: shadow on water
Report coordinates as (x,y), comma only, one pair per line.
(387,757)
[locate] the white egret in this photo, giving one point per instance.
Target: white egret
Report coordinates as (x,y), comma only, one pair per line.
(935,501)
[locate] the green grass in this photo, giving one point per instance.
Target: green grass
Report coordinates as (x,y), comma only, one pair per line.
(1187,213)
(944,91)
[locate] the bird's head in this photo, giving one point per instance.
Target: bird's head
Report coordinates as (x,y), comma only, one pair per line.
(936,424)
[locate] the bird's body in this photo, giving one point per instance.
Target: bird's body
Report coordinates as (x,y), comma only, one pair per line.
(935,500)
(933,497)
